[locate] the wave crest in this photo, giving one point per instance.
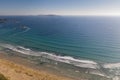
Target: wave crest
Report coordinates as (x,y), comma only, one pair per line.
(64,59)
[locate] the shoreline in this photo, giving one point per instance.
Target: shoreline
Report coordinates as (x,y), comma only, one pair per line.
(67,71)
(53,69)
(11,67)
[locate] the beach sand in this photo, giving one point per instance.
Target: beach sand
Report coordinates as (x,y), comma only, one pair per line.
(13,71)
(16,66)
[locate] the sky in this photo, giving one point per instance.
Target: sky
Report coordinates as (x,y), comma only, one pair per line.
(60,7)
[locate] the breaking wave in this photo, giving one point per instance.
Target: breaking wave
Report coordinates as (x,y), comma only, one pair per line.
(112,68)
(65,59)
(111,65)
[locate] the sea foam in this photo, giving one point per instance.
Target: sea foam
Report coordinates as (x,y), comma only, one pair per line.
(64,59)
(111,65)
(89,64)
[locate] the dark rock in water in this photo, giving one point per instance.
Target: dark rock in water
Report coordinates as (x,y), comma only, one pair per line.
(3,20)
(50,15)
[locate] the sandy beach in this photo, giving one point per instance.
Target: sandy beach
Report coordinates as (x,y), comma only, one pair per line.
(14,71)
(19,67)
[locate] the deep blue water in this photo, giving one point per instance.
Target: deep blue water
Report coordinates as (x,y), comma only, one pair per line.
(94,38)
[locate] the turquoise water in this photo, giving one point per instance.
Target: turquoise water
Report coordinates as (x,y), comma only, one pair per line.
(93,38)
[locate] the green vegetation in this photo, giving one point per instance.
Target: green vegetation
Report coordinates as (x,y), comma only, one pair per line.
(2,77)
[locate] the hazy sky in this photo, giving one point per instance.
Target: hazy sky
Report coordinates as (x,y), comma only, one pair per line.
(60,7)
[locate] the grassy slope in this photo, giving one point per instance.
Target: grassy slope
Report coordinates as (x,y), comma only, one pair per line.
(18,72)
(2,77)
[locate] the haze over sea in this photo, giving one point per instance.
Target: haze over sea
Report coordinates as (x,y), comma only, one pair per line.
(90,38)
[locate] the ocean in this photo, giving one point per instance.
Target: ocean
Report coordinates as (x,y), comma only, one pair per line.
(70,39)
(94,38)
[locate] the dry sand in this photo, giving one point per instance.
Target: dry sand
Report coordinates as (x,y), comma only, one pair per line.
(15,71)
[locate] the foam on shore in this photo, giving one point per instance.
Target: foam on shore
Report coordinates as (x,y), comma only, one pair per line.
(89,64)
(64,59)
(111,65)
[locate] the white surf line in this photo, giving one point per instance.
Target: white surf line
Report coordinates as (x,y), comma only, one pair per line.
(111,65)
(76,62)
(64,59)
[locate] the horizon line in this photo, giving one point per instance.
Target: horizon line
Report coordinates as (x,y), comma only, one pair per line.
(58,15)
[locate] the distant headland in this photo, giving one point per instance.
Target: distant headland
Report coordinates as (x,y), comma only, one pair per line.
(50,15)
